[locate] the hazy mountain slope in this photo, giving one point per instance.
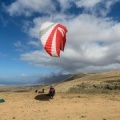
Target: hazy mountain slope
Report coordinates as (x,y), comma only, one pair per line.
(53,79)
(75,76)
(92,82)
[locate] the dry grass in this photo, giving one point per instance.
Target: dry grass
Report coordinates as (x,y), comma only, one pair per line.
(93,83)
(72,101)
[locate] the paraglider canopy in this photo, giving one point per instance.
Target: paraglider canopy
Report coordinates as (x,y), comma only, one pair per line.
(53,38)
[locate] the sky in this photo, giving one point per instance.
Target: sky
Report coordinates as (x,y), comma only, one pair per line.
(93,38)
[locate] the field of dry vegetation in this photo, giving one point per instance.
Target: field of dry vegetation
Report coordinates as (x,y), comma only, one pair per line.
(105,82)
(88,96)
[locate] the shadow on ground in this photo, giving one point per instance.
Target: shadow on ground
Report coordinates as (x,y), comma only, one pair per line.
(43,97)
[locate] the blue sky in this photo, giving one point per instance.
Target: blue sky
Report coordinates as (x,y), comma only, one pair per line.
(93,37)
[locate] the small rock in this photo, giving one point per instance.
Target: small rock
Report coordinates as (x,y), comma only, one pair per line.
(13,117)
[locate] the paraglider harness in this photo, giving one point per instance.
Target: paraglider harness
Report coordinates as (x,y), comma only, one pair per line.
(52,92)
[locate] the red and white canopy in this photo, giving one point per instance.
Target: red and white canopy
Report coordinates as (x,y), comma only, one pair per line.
(53,38)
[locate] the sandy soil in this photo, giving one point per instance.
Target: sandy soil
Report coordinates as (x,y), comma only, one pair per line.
(38,106)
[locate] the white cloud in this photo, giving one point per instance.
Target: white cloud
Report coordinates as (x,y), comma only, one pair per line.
(20,46)
(92,41)
(27,7)
(83,28)
(87,3)
(65,4)
(34,43)
(91,55)
(94,6)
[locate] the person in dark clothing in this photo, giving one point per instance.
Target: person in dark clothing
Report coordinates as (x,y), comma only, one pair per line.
(52,91)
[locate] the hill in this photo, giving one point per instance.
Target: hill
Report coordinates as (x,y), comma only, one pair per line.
(26,104)
(102,82)
(53,79)
(75,76)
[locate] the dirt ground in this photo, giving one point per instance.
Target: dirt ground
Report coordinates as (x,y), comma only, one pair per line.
(38,106)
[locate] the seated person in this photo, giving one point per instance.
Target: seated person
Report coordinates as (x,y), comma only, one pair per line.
(52,90)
